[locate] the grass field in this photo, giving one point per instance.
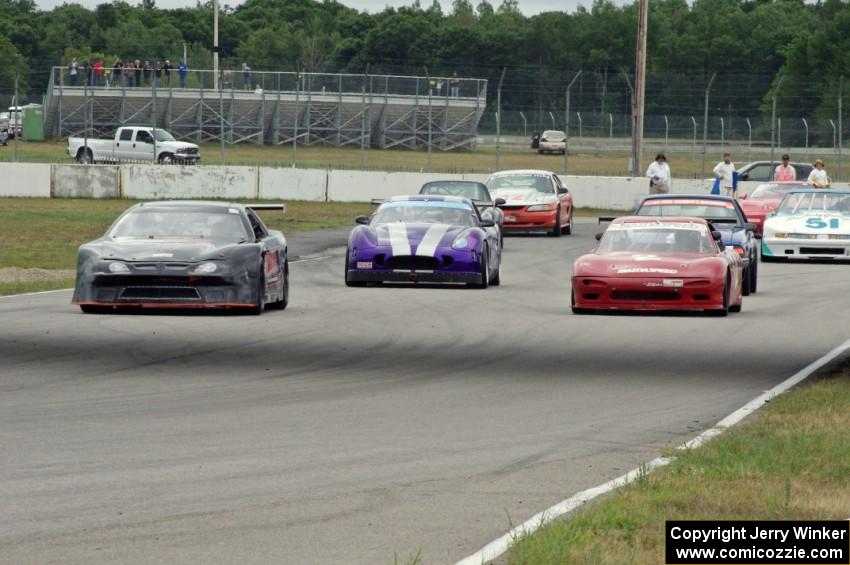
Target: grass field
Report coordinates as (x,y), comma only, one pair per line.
(789,462)
(479,161)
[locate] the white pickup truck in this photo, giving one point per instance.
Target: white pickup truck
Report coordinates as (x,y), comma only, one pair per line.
(134,144)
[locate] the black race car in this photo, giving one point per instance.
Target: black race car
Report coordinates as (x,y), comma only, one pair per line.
(185,254)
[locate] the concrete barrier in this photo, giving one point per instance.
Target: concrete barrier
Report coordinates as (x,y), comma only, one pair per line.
(85,181)
(151,182)
(25,180)
(292,184)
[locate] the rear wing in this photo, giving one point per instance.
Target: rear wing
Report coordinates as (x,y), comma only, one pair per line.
(281,206)
(606,219)
(377,201)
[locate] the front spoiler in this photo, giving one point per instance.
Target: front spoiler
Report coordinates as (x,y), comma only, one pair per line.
(130,304)
(414,276)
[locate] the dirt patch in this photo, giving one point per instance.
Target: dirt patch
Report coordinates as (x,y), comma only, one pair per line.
(18,275)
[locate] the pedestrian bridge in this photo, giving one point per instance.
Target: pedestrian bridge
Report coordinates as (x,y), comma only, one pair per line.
(274,108)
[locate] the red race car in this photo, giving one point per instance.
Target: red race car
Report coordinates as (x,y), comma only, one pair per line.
(655,263)
(765,199)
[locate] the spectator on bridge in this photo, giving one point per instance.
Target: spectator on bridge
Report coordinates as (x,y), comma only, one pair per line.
(226,80)
(98,72)
(182,72)
(454,83)
(157,74)
(785,172)
(87,73)
(137,71)
(73,71)
(117,72)
(166,70)
(818,177)
(659,175)
(128,74)
(147,70)
(724,172)
(258,90)
(246,76)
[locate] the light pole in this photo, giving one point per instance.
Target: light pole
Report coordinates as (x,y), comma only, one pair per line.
(610,126)
(428,81)
(694,144)
(834,137)
(705,124)
(840,133)
(806,125)
(722,134)
(773,119)
(499,119)
(524,124)
(567,119)
(749,140)
(552,117)
(666,133)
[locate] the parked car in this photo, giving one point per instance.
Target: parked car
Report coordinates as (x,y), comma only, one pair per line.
(762,171)
(552,141)
(134,144)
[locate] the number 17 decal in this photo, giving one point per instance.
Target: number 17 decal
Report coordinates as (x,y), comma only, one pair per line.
(818,224)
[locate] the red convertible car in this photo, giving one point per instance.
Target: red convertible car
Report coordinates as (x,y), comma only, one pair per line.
(765,199)
(655,263)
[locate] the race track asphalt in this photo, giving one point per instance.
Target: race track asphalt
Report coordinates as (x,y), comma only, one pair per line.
(361,424)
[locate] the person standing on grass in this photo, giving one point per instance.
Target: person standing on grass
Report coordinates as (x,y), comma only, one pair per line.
(785,172)
(182,72)
(725,171)
(659,175)
(818,177)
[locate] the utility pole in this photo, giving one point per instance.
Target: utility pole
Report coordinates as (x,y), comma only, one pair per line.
(635,168)
(18,128)
(215,47)
(640,86)
(567,120)
(773,121)
(363,121)
(428,82)
(499,119)
(705,124)
(840,140)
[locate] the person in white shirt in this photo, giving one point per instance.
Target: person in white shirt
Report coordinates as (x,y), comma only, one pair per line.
(724,171)
(659,175)
(818,177)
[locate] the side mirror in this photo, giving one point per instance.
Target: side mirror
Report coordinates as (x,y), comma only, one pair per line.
(599,236)
(562,190)
(499,202)
(744,176)
(750,227)
(362,220)
(486,223)
(716,235)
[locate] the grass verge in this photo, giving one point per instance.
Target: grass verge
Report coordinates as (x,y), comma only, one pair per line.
(789,462)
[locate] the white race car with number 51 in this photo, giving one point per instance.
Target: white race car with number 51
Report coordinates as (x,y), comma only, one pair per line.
(808,224)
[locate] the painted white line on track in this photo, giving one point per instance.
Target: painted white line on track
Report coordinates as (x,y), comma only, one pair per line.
(67,289)
(497,547)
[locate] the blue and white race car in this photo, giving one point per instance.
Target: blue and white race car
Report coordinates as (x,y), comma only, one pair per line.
(423,238)
(809,224)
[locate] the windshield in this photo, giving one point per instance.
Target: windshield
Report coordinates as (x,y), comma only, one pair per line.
(656,238)
(553,135)
(471,190)
(162,135)
(420,211)
(800,203)
(691,208)
(772,190)
(218,224)
(540,183)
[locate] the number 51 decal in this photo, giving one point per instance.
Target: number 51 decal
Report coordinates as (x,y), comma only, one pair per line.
(818,224)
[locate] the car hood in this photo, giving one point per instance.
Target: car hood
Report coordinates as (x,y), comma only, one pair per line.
(178,144)
(759,207)
(636,265)
(186,250)
(808,224)
(416,238)
(519,196)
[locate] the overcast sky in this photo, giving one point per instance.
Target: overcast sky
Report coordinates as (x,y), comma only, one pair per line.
(528,7)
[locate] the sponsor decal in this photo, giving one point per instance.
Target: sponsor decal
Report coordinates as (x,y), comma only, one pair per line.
(647,270)
(364,264)
(645,257)
(656,224)
(675,283)
(272,266)
(232,211)
(162,254)
(688,202)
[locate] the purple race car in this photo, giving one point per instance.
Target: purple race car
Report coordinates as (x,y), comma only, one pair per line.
(431,239)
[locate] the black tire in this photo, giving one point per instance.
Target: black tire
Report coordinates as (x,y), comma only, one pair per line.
(725,311)
(568,230)
(496,280)
(347,281)
(260,305)
(746,278)
(166,159)
(84,156)
(736,307)
(485,269)
(754,275)
(540,152)
(94,309)
(284,301)
(556,231)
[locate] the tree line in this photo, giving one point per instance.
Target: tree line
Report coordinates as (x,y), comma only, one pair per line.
(748,43)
